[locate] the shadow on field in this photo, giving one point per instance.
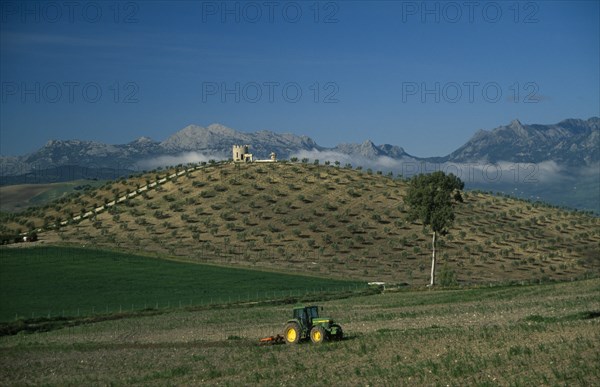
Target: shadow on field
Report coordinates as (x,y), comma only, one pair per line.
(43,324)
(588,315)
(349,338)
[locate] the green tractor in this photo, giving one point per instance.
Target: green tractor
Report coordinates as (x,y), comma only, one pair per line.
(306,323)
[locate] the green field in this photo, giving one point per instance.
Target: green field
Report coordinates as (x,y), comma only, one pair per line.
(536,335)
(56,281)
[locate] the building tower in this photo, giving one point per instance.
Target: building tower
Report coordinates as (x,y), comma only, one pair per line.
(240,153)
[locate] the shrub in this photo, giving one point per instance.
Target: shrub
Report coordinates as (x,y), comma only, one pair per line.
(208,194)
(330,207)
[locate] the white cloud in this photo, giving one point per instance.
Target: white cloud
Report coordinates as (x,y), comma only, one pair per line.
(381,163)
(182,158)
(503,172)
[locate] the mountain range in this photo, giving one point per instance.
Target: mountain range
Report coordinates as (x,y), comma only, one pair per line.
(572,144)
(214,141)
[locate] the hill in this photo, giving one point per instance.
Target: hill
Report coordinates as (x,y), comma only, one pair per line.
(317,219)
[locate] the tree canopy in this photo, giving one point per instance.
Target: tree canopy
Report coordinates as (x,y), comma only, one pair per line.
(429,198)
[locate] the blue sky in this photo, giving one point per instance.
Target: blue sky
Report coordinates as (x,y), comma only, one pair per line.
(421,75)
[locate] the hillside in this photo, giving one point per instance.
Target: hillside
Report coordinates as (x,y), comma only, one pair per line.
(317,219)
(18,197)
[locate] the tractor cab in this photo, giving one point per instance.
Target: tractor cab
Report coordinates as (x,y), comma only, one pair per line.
(305,315)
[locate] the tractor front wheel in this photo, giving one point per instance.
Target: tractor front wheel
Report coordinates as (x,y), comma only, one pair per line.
(317,335)
(291,333)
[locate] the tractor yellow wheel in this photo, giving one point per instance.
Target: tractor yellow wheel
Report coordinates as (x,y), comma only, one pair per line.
(317,335)
(291,333)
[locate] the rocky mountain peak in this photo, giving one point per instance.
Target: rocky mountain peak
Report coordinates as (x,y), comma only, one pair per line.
(142,140)
(517,128)
(189,138)
(568,142)
(369,150)
(515,123)
(221,129)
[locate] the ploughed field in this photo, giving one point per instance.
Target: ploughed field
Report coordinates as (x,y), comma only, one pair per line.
(521,335)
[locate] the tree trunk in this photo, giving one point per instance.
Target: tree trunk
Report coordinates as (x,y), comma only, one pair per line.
(433,261)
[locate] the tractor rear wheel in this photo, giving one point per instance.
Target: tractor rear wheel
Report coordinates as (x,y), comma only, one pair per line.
(291,333)
(317,335)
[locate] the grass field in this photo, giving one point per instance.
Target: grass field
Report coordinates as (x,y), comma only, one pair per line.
(523,335)
(56,281)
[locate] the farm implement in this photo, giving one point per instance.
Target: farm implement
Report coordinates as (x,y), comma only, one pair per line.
(307,324)
(272,340)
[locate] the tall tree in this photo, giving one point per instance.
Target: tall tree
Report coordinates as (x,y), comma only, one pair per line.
(430,200)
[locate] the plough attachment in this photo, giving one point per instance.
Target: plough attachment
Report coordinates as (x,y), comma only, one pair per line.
(272,340)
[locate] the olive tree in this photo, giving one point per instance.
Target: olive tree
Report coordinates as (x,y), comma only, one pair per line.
(430,200)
